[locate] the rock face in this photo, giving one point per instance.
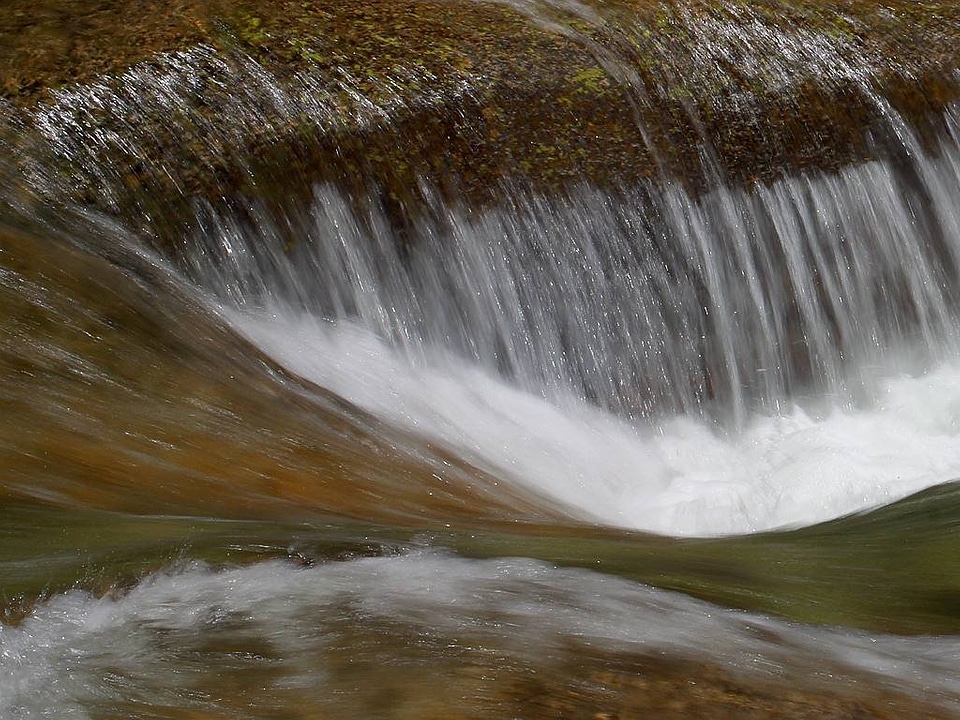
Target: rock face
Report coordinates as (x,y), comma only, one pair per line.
(130,106)
(107,408)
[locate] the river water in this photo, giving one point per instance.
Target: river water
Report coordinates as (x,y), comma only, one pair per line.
(537,453)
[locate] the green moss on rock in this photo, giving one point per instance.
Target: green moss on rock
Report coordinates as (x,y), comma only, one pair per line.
(468,95)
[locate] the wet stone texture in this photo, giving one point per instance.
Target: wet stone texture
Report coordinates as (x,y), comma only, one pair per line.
(596,686)
(135,107)
(145,109)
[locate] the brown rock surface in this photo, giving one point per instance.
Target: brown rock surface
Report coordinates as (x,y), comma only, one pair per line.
(467,95)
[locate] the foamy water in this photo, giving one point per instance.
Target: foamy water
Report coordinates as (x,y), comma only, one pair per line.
(179,632)
(679,476)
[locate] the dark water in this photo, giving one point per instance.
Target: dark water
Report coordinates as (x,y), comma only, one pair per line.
(250,477)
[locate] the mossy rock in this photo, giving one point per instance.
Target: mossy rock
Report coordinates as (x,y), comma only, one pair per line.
(463,96)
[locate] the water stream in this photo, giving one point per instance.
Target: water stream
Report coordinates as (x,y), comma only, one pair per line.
(553,452)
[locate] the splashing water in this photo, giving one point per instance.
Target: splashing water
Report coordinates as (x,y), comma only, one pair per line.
(165,643)
(535,374)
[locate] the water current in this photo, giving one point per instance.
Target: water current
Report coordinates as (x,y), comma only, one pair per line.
(557,452)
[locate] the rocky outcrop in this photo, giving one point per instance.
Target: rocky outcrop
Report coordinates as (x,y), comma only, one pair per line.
(136,105)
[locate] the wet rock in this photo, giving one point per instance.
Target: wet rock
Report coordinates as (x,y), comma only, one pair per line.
(136,107)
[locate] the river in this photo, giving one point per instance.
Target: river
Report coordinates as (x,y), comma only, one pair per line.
(603,452)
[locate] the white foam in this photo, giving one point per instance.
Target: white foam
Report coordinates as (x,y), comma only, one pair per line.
(680,477)
(176,633)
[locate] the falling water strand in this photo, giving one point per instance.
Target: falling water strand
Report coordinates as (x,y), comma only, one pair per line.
(639,302)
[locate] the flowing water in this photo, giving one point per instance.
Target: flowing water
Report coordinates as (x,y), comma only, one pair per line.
(572,448)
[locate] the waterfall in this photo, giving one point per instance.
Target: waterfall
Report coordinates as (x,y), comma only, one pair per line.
(641,301)
(526,358)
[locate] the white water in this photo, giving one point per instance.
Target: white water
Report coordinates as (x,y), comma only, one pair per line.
(761,293)
(679,476)
(163,642)
(746,360)
(638,302)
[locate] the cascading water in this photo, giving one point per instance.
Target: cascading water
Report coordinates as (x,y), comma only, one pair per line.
(627,337)
(639,302)
(262,443)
